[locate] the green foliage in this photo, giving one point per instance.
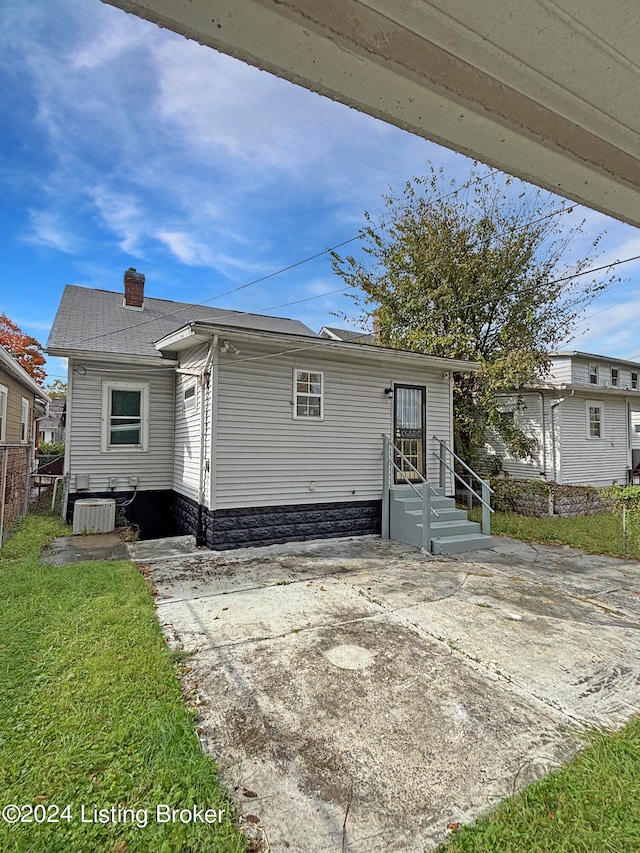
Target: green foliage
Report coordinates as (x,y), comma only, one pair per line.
(51,448)
(625,496)
(479,272)
(57,389)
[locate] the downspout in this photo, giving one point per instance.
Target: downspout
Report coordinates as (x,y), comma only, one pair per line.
(544,433)
(554,404)
(204,373)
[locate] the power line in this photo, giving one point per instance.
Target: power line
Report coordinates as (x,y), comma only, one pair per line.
(282,270)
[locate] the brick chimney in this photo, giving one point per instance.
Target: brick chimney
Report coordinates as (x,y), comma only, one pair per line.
(133,289)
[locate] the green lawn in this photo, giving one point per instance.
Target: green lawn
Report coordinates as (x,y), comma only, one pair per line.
(597,534)
(590,806)
(91,712)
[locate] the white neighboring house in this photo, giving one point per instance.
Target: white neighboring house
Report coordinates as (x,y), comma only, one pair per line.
(585,417)
(239,428)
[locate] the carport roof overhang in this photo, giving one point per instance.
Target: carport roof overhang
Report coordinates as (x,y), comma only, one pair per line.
(543,89)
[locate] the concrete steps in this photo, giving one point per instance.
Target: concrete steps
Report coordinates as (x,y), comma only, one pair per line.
(451,532)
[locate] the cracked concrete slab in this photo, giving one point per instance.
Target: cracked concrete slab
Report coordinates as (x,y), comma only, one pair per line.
(362,679)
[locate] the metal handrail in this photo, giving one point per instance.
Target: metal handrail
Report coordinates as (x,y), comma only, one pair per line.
(462,462)
(412,467)
(408,481)
(465,484)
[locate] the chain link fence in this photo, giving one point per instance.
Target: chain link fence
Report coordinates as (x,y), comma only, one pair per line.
(15,483)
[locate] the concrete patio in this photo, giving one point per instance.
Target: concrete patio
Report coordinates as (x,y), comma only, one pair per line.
(359,695)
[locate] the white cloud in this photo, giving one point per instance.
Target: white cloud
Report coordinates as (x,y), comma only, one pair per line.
(47,230)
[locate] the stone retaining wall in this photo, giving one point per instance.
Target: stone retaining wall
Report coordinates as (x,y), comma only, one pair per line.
(540,499)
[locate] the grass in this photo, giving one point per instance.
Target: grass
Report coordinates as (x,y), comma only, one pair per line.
(91,711)
(592,805)
(596,534)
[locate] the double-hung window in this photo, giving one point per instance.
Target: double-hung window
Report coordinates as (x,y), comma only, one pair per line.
(615,377)
(125,415)
(634,380)
(593,374)
(24,420)
(3,412)
(595,419)
(308,394)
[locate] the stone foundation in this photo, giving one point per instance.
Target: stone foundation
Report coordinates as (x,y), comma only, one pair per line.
(245,526)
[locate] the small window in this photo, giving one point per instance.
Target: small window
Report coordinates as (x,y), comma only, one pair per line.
(3,412)
(593,374)
(189,397)
(24,420)
(636,427)
(634,380)
(125,415)
(595,420)
(308,394)
(615,377)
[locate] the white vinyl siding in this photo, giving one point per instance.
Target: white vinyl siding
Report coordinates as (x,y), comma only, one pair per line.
(186,459)
(592,461)
(530,419)
(154,467)
(560,370)
(264,457)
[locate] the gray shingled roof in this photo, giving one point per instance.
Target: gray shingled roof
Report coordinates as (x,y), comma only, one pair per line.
(348,335)
(90,320)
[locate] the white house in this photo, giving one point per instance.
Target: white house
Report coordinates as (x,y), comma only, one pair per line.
(241,428)
(585,417)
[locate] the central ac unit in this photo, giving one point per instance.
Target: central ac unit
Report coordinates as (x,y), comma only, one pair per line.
(94,515)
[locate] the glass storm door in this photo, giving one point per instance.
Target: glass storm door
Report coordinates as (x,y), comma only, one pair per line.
(409,429)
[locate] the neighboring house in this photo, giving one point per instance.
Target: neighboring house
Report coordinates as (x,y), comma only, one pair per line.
(349,335)
(585,417)
(22,403)
(236,427)
(51,428)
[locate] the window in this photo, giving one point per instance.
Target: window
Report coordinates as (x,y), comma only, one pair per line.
(24,420)
(634,380)
(3,412)
(595,419)
(636,427)
(125,407)
(189,397)
(615,377)
(307,394)
(593,374)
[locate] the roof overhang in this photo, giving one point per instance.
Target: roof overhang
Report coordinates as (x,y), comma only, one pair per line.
(196,333)
(11,366)
(159,360)
(547,91)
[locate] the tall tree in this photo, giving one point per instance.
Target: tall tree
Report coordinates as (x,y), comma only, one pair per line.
(480,271)
(25,349)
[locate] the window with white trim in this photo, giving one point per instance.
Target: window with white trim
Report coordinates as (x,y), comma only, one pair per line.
(189,397)
(308,394)
(634,380)
(24,420)
(593,374)
(4,393)
(125,415)
(595,419)
(615,377)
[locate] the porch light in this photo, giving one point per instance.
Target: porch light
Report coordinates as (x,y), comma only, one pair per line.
(389,392)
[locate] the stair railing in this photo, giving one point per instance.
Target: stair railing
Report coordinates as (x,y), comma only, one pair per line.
(389,453)
(485,489)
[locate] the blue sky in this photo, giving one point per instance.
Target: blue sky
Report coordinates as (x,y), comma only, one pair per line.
(122,144)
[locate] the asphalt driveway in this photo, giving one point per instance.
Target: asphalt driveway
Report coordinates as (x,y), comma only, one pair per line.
(359,695)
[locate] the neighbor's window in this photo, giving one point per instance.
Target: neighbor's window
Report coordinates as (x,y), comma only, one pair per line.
(24,420)
(615,377)
(308,394)
(593,374)
(125,414)
(3,411)
(634,380)
(189,397)
(595,420)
